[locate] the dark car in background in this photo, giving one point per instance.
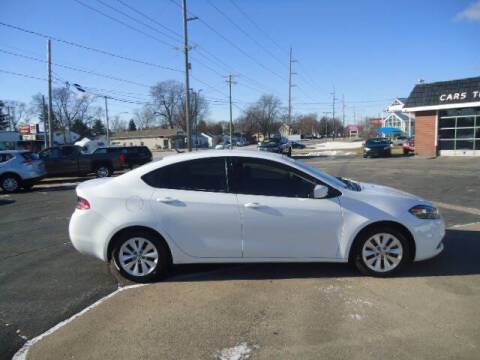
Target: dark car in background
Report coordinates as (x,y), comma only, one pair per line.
(276,145)
(70,161)
(131,156)
(296,145)
(376,147)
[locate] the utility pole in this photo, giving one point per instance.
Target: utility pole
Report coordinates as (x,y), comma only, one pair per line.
(44,122)
(333,113)
(290,93)
(229,81)
(50,112)
(106,118)
(187,68)
(343,114)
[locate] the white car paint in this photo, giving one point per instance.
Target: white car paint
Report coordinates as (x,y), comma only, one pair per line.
(207,227)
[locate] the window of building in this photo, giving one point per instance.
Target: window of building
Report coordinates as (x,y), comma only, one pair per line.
(459,129)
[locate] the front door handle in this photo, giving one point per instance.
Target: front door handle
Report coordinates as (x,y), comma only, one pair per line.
(253,205)
(166,200)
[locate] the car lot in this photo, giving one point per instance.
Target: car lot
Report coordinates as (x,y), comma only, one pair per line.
(282,310)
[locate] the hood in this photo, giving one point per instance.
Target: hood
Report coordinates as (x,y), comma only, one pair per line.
(380,190)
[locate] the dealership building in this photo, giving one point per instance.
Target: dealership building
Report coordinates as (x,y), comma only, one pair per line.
(447,117)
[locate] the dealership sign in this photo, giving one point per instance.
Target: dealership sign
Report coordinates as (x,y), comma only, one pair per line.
(474,95)
(28,129)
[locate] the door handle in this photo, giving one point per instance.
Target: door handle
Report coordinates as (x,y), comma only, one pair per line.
(166,200)
(253,205)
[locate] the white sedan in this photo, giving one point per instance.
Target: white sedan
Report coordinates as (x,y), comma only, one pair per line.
(243,206)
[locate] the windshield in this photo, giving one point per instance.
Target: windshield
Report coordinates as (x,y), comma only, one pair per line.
(378,141)
(322,175)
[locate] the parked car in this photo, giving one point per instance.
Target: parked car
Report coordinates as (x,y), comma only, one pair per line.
(400,140)
(221,146)
(409,147)
(133,155)
(244,206)
(69,160)
(20,168)
(276,145)
(377,147)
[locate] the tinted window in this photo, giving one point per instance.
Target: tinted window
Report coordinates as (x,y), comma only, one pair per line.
(100,151)
(199,175)
(52,153)
(5,157)
(378,141)
(263,177)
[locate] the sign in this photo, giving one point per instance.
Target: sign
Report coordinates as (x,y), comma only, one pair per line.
(354,128)
(24,129)
(474,95)
(33,128)
(29,137)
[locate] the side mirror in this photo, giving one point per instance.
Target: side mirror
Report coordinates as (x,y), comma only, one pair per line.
(320,192)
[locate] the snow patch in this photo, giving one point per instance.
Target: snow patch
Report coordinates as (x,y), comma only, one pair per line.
(239,352)
(359,302)
(328,153)
(356,317)
(335,145)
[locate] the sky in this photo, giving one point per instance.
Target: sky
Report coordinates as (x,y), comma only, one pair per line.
(368,52)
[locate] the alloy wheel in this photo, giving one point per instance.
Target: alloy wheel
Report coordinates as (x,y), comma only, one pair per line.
(10,184)
(382,252)
(138,257)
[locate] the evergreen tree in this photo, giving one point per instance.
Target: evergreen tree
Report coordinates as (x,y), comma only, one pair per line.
(98,128)
(80,128)
(132,126)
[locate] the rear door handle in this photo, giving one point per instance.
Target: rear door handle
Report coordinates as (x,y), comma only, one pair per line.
(253,205)
(166,200)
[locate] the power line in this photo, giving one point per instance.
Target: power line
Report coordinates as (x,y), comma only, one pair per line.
(111,77)
(124,23)
(104,52)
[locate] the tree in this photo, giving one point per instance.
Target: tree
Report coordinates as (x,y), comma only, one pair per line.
(198,109)
(264,115)
(132,126)
(98,128)
(80,128)
(145,117)
(117,124)
(167,95)
(4,122)
(18,113)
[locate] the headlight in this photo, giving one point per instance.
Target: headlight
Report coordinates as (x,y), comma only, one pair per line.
(367,149)
(425,212)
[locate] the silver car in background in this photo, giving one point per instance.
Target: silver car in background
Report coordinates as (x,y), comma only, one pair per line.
(20,168)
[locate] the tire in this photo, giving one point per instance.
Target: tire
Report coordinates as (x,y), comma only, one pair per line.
(390,256)
(10,183)
(27,187)
(289,153)
(405,152)
(151,266)
(103,171)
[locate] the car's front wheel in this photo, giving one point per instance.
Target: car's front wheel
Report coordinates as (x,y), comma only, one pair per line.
(140,256)
(10,183)
(381,252)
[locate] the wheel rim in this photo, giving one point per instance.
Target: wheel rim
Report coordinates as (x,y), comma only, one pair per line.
(382,252)
(10,184)
(138,257)
(102,172)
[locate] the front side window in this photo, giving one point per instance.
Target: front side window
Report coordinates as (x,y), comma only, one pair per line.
(101,151)
(268,178)
(198,175)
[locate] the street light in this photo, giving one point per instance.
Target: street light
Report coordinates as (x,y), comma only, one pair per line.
(81,89)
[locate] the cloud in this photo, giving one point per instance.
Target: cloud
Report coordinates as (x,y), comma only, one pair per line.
(472,13)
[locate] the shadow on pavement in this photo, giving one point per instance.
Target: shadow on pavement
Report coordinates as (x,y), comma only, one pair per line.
(6,201)
(460,257)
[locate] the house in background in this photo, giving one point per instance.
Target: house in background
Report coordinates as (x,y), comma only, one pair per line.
(154,139)
(397,118)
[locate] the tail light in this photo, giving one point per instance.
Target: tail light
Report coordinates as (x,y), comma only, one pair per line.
(82,204)
(28,162)
(122,158)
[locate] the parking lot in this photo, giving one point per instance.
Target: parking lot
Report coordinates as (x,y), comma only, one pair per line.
(262,311)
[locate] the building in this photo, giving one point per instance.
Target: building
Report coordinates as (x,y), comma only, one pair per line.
(399,119)
(154,139)
(447,117)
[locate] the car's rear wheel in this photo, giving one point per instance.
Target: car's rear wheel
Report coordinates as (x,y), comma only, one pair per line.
(10,183)
(103,171)
(140,256)
(381,251)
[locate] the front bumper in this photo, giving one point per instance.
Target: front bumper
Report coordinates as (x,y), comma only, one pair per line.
(377,152)
(428,236)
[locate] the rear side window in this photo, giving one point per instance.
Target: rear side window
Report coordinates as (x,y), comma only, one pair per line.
(101,151)
(29,156)
(5,157)
(198,175)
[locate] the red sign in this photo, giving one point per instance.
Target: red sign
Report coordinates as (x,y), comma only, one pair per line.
(24,129)
(354,128)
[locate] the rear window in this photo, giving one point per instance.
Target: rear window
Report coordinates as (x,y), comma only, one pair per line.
(198,175)
(29,156)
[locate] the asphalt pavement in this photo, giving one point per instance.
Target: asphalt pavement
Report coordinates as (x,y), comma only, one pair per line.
(265,311)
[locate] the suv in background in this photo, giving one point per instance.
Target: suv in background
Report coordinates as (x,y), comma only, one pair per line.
(132,156)
(276,145)
(20,168)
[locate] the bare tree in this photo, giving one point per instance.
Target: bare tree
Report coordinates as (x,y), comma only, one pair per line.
(117,124)
(167,95)
(198,110)
(19,113)
(267,112)
(145,118)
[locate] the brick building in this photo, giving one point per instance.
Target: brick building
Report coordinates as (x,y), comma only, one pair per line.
(447,116)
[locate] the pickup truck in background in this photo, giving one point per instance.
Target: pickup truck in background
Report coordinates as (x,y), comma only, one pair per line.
(133,156)
(70,161)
